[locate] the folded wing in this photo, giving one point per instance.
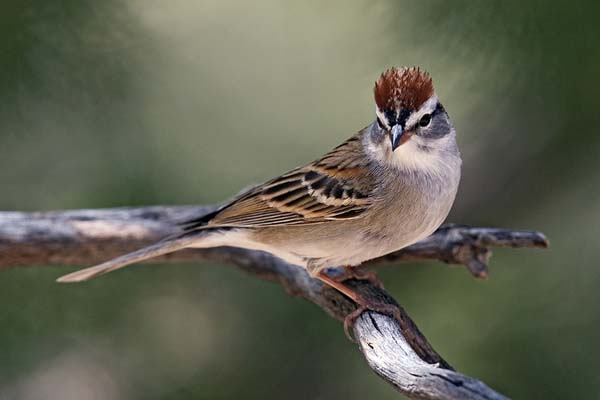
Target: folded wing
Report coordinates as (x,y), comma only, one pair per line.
(335,187)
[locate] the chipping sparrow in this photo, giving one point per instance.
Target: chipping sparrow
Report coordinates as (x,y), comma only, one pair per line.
(388,186)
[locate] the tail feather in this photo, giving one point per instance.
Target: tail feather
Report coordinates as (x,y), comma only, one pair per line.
(158,249)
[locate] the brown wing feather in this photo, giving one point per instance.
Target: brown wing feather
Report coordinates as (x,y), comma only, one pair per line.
(334,187)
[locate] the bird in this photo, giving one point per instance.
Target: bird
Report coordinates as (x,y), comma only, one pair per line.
(390,185)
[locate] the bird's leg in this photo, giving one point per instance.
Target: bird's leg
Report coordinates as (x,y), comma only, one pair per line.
(363,303)
(359,275)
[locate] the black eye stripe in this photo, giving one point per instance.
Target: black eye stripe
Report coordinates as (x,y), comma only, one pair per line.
(391,117)
(404,114)
(438,109)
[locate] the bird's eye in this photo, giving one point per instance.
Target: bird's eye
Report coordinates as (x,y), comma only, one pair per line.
(425,120)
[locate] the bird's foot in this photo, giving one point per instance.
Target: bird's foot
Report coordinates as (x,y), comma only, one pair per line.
(366,305)
(363,303)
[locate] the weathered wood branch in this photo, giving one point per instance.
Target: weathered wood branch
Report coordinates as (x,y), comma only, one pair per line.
(395,349)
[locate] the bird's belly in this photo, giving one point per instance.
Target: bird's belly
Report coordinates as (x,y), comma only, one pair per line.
(347,245)
(246,240)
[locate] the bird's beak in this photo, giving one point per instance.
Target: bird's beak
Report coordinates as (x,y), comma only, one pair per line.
(399,136)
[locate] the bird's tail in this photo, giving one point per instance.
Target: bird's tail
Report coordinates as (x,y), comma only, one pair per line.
(158,249)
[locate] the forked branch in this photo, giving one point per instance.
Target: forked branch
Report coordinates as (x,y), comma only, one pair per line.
(395,349)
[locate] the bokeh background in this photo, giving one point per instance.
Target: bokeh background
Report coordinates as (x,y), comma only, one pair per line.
(116,103)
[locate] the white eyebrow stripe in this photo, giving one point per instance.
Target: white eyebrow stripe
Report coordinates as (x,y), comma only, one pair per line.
(427,108)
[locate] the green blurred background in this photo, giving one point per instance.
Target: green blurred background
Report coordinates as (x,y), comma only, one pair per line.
(115,103)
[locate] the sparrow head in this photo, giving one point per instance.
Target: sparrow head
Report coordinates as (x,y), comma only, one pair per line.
(407,107)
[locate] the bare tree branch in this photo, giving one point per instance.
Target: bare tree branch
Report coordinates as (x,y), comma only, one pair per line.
(395,349)
(464,245)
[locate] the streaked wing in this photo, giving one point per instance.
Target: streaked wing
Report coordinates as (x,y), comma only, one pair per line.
(335,187)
